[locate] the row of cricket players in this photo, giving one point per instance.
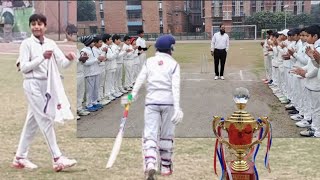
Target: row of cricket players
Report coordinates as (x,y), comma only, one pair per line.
(292,69)
(100,68)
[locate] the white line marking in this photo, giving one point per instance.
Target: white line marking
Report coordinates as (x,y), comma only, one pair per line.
(216,80)
(8,53)
(241,75)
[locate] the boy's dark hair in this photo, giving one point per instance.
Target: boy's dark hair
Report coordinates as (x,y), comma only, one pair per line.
(96,38)
(302,29)
(38,17)
(140,31)
(276,34)
(105,37)
(313,30)
(296,31)
(126,38)
(115,37)
(269,32)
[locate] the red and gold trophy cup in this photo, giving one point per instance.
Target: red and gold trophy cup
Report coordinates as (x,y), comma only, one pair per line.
(241,127)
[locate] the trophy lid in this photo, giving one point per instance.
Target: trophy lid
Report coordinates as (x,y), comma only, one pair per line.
(241,96)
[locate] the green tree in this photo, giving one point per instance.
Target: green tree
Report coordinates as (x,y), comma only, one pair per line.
(86,10)
(268,20)
(315,13)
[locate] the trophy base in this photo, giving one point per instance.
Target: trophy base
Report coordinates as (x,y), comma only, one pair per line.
(243,175)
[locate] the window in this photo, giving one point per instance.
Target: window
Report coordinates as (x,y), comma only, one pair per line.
(134,15)
(101,15)
(133,29)
(133,2)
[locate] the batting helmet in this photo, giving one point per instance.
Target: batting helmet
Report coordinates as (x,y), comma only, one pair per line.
(165,42)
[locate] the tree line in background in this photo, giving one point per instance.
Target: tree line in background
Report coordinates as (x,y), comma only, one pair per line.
(269,20)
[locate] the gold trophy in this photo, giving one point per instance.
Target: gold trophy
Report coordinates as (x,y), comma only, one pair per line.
(241,127)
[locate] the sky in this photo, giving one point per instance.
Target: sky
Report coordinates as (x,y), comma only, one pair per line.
(315,2)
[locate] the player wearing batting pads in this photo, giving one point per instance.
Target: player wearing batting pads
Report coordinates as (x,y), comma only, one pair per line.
(38,55)
(162,106)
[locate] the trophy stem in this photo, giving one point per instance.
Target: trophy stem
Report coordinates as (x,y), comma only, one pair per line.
(240,164)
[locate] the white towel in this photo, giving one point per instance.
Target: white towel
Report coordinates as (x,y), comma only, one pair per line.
(57,106)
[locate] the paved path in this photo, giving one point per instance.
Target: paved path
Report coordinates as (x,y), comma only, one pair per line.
(201,99)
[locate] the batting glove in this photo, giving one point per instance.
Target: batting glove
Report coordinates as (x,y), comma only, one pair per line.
(177,116)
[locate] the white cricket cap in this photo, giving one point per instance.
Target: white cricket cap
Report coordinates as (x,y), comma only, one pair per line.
(284,32)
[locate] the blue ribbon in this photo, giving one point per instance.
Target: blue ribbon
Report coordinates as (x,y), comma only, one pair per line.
(266,158)
(255,154)
(221,163)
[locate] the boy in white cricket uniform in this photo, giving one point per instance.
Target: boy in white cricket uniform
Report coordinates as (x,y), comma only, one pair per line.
(98,52)
(91,72)
(142,47)
(116,50)
(162,106)
(118,82)
(81,84)
(128,63)
(111,66)
(312,83)
(136,61)
(35,54)
(302,105)
(267,61)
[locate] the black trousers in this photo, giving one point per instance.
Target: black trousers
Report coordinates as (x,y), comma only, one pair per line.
(219,56)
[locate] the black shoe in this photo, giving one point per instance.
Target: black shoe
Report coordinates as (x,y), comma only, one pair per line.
(292,112)
(291,108)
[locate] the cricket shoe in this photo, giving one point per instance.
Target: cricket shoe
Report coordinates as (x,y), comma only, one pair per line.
(293,112)
(166,170)
(304,123)
(98,106)
(123,91)
(22,163)
(216,77)
(78,117)
(91,109)
(308,132)
(104,102)
(285,101)
(115,95)
(222,78)
(296,117)
(111,98)
(290,107)
(150,172)
(63,163)
(83,112)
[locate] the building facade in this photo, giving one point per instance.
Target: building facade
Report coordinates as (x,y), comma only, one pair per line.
(185,16)
(233,12)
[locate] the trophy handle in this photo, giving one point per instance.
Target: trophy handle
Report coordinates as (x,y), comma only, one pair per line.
(216,122)
(267,124)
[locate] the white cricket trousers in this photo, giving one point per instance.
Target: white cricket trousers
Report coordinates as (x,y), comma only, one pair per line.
(118,84)
(158,118)
(142,58)
(110,82)
(102,87)
(267,66)
(80,91)
(136,71)
(92,83)
(35,90)
(128,67)
(315,111)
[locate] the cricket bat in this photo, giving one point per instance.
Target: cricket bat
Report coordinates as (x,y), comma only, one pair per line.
(117,143)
